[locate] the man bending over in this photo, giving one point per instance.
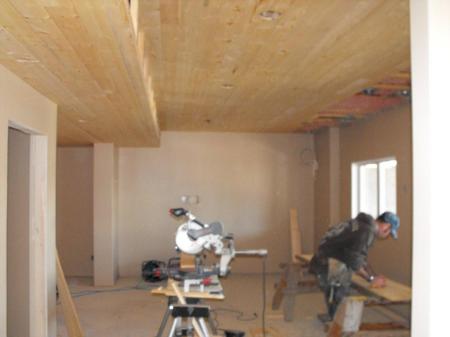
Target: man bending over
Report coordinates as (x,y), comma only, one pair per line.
(343,250)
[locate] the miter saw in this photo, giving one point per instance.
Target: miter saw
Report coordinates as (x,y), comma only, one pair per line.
(194,238)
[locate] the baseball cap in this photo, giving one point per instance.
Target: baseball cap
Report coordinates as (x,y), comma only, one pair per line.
(392,219)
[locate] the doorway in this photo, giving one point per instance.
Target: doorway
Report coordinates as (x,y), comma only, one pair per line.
(27,265)
(18,234)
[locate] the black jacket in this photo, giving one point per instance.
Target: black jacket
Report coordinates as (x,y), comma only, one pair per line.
(347,242)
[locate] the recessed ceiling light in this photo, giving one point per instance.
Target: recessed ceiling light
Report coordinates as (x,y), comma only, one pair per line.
(270,15)
(227,86)
(82,121)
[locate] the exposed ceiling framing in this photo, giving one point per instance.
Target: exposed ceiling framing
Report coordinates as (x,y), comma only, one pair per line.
(392,91)
(206,65)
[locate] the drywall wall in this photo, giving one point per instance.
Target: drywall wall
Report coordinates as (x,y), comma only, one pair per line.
(74,228)
(383,135)
(430,42)
(247,181)
(22,106)
(18,234)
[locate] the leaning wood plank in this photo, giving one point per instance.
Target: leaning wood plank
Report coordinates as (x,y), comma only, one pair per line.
(296,238)
(278,296)
(393,292)
(70,313)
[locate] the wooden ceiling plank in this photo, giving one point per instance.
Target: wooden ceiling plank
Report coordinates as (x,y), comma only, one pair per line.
(83,70)
(20,60)
(335,21)
(69,22)
(347,53)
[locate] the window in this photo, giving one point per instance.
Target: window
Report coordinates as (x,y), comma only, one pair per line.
(374,186)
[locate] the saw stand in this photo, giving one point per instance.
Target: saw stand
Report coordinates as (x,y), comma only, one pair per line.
(184,316)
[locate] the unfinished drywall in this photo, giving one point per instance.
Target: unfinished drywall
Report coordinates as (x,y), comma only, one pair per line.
(18,234)
(384,135)
(74,228)
(246,181)
(22,106)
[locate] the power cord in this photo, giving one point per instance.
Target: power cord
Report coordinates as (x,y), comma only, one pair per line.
(240,314)
(141,285)
(263,315)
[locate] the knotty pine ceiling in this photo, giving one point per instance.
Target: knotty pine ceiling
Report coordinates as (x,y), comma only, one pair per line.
(200,65)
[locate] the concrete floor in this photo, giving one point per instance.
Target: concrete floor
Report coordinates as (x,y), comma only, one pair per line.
(136,313)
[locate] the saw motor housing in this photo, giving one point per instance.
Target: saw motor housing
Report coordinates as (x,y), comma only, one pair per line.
(194,237)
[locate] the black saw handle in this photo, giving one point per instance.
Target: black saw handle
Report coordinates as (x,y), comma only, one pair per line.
(179,212)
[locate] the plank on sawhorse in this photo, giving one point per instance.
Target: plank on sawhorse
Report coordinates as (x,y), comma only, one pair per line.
(69,311)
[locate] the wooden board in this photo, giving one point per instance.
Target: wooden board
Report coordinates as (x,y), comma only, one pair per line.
(296,238)
(269,332)
(82,55)
(393,292)
(70,313)
(222,66)
(212,292)
(187,262)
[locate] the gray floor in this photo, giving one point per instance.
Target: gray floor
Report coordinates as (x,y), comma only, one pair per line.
(136,313)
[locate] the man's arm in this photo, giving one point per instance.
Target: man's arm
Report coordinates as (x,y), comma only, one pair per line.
(366,272)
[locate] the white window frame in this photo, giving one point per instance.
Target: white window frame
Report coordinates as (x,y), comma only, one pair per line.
(356,182)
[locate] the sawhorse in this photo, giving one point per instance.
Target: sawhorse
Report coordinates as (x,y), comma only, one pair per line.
(294,280)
